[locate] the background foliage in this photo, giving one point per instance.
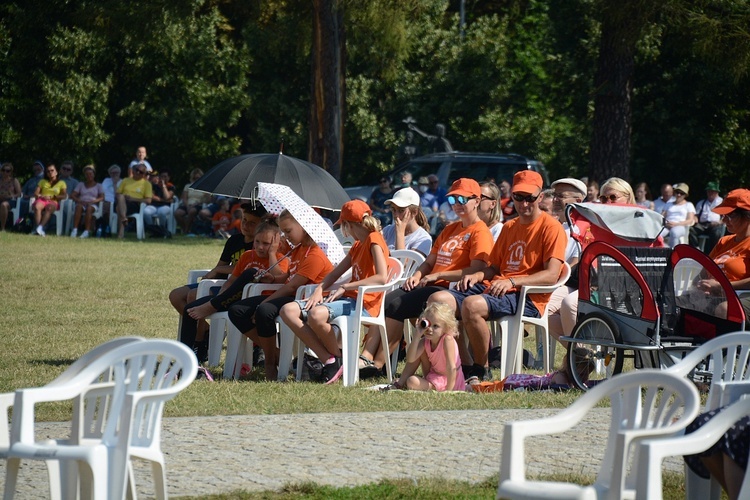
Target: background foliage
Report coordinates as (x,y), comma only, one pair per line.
(201,80)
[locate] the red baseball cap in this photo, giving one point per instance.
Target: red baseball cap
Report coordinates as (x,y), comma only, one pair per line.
(527,181)
(354,211)
(737,198)
(465,187)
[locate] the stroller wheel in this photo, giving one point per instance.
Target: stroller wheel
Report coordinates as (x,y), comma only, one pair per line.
(593,357)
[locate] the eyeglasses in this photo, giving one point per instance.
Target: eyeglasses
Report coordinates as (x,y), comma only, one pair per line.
(460,200)
(527,198)
(729,216)
(611,198)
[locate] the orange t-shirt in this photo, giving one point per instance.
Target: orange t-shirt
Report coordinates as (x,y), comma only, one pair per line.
(250,259)
(732,258)
(363,266)
(310,262)
(221,220)
(523,249)
(456,246)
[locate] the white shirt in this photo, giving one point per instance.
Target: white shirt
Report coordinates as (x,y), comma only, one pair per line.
(419,240)
(661,205)
(704,210)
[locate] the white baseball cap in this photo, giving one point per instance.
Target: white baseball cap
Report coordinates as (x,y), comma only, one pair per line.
(578,185)
(404,197)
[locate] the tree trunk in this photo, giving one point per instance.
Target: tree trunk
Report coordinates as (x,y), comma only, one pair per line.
(327,106)
(613,86)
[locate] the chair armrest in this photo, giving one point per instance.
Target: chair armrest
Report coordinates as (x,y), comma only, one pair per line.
(253,289)
(196,274)
(204,287)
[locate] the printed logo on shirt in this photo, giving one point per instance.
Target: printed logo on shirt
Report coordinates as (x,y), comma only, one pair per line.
(446,250)
(516,251)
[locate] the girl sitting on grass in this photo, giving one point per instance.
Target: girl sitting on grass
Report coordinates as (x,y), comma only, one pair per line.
(368,262)
(435,349)
(256,316)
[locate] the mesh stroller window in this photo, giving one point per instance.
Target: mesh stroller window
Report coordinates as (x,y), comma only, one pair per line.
(618,290)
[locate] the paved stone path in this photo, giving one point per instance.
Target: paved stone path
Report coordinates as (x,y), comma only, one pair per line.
(264,452)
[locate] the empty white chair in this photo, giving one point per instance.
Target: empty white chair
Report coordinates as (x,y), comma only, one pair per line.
(651,453)
(122,394)
(512,332)
(645,404)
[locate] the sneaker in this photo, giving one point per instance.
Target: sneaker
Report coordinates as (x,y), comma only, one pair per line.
(40,231)
(85,234)
(333,371)
(74,232)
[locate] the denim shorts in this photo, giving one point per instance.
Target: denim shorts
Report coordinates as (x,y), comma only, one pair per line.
(507,305)
(341,307)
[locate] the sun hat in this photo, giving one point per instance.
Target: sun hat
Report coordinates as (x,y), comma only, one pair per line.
(527,181)
(713,186)
(404,197)
(681,186)
(465,187)
(578,185)
(737,198)
(354,211)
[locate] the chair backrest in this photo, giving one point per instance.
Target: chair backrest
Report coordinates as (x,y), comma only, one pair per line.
(410,259)
(651,403)
(726,358)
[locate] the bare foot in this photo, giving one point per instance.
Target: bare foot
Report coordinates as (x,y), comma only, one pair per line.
(202,311)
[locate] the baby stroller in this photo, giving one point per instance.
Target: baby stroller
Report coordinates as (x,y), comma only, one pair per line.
(641,301)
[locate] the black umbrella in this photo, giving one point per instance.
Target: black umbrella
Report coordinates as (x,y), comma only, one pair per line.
(238,177)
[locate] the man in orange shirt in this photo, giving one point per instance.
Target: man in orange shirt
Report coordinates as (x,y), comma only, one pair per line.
(529,251)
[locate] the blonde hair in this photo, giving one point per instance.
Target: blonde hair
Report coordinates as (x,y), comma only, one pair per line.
(286,214)
(621,186)
(497,214)
(89,167)
(443,314)
(369,223)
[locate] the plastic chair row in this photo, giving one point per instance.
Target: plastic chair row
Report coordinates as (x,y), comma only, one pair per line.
(643,431)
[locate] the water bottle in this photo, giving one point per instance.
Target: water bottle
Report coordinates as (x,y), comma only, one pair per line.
(99,232)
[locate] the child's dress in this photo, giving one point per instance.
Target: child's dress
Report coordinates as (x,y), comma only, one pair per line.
(437,375)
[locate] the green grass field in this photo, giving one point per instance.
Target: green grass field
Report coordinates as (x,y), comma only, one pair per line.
(62,296)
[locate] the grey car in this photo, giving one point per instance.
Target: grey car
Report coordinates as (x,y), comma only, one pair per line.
(451,166)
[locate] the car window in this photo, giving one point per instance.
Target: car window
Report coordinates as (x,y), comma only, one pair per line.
(418,170)
(482,171)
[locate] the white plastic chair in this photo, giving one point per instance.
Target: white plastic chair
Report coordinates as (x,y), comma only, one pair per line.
(651,453)
(645,404)
(15,210)
(684,274)
(194,275)
(239,346)
(411,260)
(512,333)
(218,322)
(122,394)
(351,326)
(140,227)
(71,214)
(58,214)
(59,479)
(727,359)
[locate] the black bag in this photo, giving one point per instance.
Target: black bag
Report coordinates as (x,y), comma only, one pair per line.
(24,224)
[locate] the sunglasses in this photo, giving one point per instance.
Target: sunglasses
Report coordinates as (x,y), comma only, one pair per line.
(485,197)
(679,193)
(527,198)
(423,324)
(613,198)
(729,216)
(66,169)
(460,200)
(7,170)
(142,172)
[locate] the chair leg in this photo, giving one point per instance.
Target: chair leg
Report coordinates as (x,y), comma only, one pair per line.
(216,340)
(349,349)
(160,479)
(11,477)
(234,341)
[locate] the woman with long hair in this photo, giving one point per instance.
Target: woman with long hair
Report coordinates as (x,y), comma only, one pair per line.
(49,193)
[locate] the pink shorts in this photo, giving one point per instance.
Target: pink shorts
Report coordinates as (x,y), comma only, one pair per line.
(47,202)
